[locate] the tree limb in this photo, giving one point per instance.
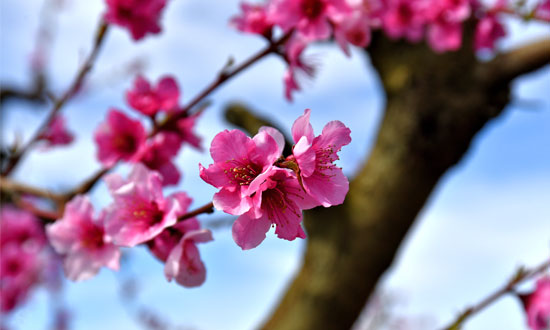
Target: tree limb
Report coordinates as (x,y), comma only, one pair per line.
(507,66)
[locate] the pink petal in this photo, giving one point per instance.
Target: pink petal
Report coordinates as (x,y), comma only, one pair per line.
(329,188)
(168,93)
(231,202)
(302,127)
(305,156)
(275,134)
(248,232)
(229,145)
(184,265)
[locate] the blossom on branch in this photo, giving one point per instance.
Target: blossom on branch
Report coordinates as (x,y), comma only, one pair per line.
(140,17)
(140,211)
(278,202)
(253,19)
(158,153)
(150,100)
(82,241)
(241,164)
(266,189)
(315,155)
(119,138)
(56,133)
(537,305)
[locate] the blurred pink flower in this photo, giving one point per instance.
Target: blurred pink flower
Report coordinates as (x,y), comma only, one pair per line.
(56,133)
(404,18)
(537,305)
(138,16)
(241,164)
(253,19)
(294,50)
(158,154)
(185,129)
(81,240)
(354,29)
(150,100)
(444,35)
(311,18)
(323,180)
(140,211)
(542,11)
(21,228)
(488,31)
(119,138)
(184,263)
(22,240)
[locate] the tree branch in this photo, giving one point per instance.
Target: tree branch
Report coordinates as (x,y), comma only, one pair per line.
(520,276)
(507,66)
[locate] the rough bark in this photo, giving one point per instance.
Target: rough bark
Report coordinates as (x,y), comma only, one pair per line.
(436,104)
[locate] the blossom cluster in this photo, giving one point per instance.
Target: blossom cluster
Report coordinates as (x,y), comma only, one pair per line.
(140,213)
(121,138)
(23,255)
(266,189)
(439,22)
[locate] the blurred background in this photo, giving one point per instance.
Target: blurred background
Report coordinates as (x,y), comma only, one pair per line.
(488,216)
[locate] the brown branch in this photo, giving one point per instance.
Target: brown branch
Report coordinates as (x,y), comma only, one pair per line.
(208,208)
(224,76)
(519,277)
(9,186)
(507,66)
(87,184)
(58,105)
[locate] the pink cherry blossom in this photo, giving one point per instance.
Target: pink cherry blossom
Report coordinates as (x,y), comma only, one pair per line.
(240,165)
(56,133)
(297,65)
(185,129)
(81,240)
(278,202)
(537,305)
(542,11)
(310,18)
(19,273)
(140,211)
(22,242)
(444,35)
(253,19)
(150,100)
(354,29)
(450,10)
(119,138)
(140,17)
(21,228)
(404,18)
(488,31)
(158,154)
(315,156)
(184,263)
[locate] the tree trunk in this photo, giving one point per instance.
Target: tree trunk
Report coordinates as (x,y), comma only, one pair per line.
(436,104)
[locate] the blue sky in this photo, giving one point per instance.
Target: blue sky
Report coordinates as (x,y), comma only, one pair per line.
(487,216)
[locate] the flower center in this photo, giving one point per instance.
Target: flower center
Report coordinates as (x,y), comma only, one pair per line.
(242,174)
(125,144)
(312,8)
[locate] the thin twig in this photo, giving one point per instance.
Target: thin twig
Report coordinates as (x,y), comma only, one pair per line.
(519,277)
(224,76)
(207,208)
(58,105)
(10,186)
